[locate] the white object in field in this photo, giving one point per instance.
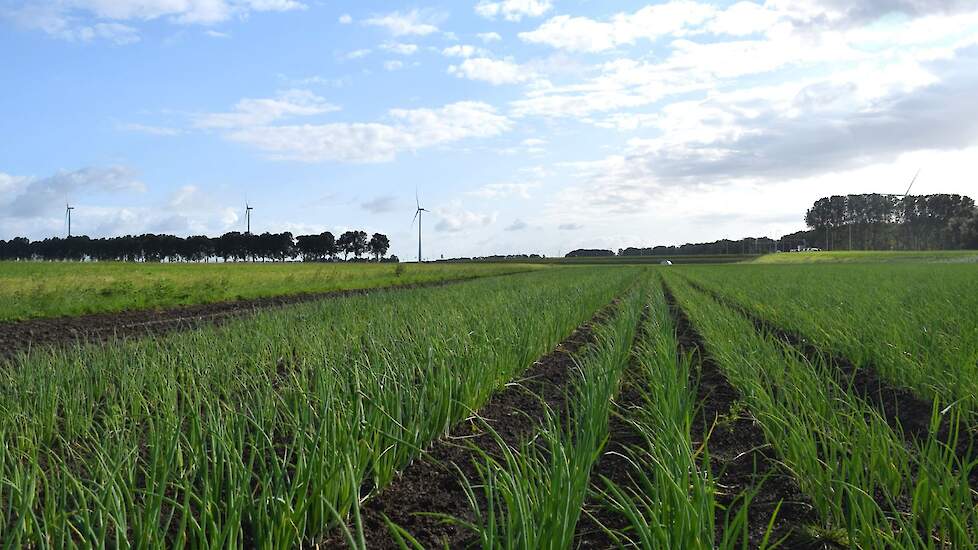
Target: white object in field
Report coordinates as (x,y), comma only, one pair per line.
(665,262)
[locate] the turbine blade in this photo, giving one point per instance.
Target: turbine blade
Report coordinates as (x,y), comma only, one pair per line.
(417,201)
(416,213)
(913,181)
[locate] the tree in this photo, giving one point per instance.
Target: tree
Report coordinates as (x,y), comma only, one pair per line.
(359,243)
(378,245)
(345,244)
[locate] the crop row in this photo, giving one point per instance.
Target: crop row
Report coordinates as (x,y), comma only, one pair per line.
(869,489)
(917,325)
(265,431)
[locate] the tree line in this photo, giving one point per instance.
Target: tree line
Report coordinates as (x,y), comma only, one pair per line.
(850,222)
(891,222)
(232,246)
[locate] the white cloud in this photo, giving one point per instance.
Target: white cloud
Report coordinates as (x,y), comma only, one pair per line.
(357,54)
(345,19)
(393,65)
(583,34)
(414,22)
(513,10)
(27,197)
(489,37)
(517,225)
(462,50)
(504,190)
(380,205)
(493,71)
(409,130)
(149,129)
(454,218)
(255,112)
(87,20)
(217,34)
(399,48)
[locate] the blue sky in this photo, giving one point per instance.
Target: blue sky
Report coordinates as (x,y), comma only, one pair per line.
(525,125)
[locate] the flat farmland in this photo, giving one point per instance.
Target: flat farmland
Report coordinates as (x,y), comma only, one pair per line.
(51,289)
(727,406)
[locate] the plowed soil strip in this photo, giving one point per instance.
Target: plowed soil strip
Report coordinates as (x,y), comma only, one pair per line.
(740,458)
(611,464)
(431,484)
(19,336)
(906,413)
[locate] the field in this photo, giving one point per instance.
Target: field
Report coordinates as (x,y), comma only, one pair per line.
(593,406)
(49,289)
(856,256)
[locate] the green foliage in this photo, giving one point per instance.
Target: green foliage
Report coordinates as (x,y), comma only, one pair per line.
(871,257)
(262,432)
(858,472)
(50,289)
(917,324)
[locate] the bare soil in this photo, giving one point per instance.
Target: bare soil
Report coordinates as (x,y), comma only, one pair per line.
(432,483)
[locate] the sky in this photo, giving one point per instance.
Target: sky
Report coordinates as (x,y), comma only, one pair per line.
(524,126)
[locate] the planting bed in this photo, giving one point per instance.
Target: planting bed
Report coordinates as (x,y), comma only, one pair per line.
(433,483)
(740,458)
(585,407)
(19,336)
(905,412)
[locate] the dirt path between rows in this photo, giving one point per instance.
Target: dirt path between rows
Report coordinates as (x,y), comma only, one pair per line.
(22,336)
(905,412)
(432,484)
(741,460)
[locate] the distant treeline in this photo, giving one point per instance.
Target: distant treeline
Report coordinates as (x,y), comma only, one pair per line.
(494,258)
(851,222)
(233,246)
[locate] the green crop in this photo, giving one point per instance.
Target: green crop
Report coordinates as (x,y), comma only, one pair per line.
(669,502)
(535,492)
(268,430)
(869,489)
(50,289)
(916,324)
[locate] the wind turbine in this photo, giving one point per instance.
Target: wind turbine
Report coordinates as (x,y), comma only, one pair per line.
(417,216)
(248,210)
(68,209)
(905,195)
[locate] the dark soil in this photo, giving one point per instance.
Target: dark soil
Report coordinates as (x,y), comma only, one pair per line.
(431,484)
(906,413)
(22,336)
(741,460)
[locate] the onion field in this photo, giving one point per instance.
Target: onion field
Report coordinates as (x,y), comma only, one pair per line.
(629,406)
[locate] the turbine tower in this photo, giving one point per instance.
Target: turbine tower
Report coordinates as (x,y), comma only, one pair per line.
(68,209)
(248,210)
(417,216)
